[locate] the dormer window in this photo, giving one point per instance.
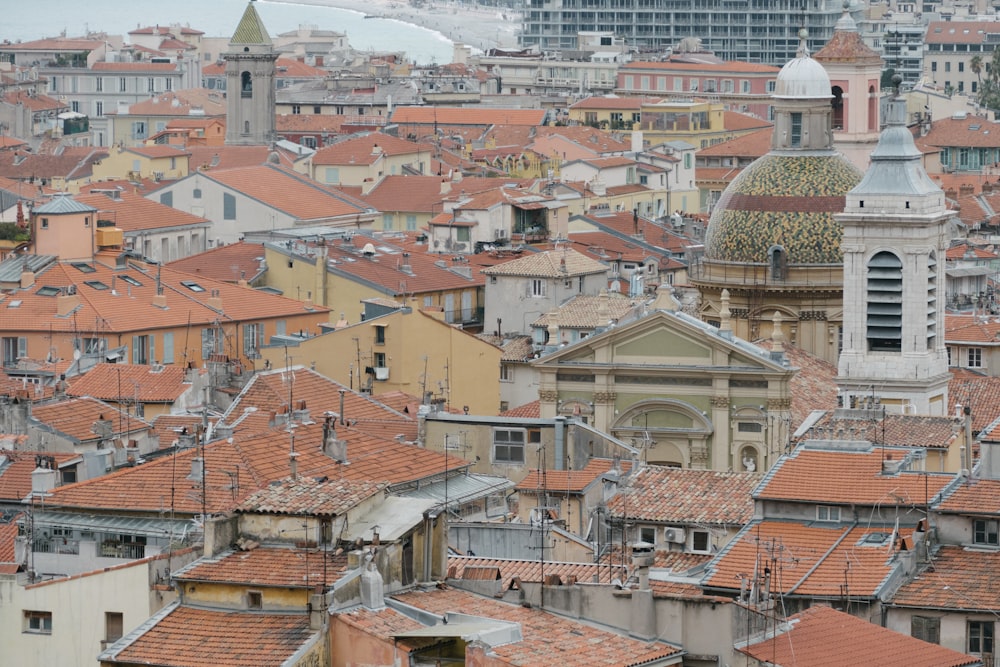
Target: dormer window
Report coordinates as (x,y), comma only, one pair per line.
(828,513)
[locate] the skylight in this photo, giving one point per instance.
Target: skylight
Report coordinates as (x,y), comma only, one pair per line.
(130,280)
(16,303)
(96,284)
(193,286)
(83,267)
(49,291)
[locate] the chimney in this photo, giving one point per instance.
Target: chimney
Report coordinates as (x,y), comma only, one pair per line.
(301,412)
(445,186)
(333,447)
(214,301)
(966,189)
(160,301)
(43,478)
(67,302)
(197,469)
(27,277)
(406,268)
(371,585)
(319,287)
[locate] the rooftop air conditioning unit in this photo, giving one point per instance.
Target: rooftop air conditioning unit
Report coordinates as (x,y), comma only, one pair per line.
(675,535)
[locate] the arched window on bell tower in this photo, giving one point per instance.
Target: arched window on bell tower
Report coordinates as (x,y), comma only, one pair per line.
(777,262)
(838,107)
(885,303)
(246,84)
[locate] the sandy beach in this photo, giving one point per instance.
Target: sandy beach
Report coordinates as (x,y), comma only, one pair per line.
(481,28)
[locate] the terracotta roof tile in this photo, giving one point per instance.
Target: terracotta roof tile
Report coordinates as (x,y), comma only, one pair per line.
(131,212)
(728,66)
(752,146)
(226,263)
(959,579)
(549,265)
(610,102)
(891,430)
(76,416)
(308,496)
(285,567)
(980,497)
(814,559)
(8,532)
(734,121)
(969,132)
(960,32)
(569,481)
(16,469)
(676,495)
(289,192)
(848,477)
(813,387)
(971,329)
(192,637)
(530,410)
(467,116)
(547,639)
(408,193)
(506,569)
(366,149)
(979,390)
(824,637)
(146,384)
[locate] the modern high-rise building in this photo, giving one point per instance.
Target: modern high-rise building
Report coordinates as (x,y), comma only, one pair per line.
(755,31)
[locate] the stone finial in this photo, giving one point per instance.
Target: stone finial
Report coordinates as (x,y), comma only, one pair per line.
(553,328)
(665,299)
(725,324)
(603,311)
(777,335)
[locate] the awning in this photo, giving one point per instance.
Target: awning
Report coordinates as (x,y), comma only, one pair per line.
(162,528)
(462,489)
(395,517)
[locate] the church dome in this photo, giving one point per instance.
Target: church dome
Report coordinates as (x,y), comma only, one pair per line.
(802,78)
(783,200)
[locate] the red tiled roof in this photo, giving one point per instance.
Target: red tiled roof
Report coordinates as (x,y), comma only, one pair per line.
(366,149)
(227,263)
(529,410)
(677,495)
(739,122)
(8,532)
(132,212)
(978,496)
(194,637)
(309,496)
(824,637)
(958,579)
(960,32)
(847,477)
(813,387)
(568,481)
(980,391)
(547,639)
(287,191)
(268,566)
(127,382)
(76,416)
(969,132)
(408,193)
(891,430)
(15,473)
(971,329)
(468,116)
(815,560)
(751,145)
(506,569)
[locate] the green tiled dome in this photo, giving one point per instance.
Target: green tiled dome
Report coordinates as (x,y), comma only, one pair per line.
(786,200)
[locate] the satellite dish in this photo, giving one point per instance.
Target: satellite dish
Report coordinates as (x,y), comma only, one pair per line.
(368,250)
(76,355)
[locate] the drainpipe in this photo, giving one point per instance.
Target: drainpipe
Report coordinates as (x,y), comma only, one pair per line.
(560,442)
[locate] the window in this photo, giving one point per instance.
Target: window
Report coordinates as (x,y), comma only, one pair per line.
(167,198)
(246,84)
(196,193)
(99,81)
(139,129)
(253,339)
(508,446)
(536,287)
(45,223)
(647,534)
(14,348)
(296,109)
(379,359)
(700,541)
(981,637)
(985,531)
(255,600)
(975,357)
(885,303)
(228,206)
(506,373)
(411,225)
(749,427)
(380,334)
(142,350)
(796,131)
(99,107)
(827,513)
(168,348)
(38,622)
(331,175)
(926,628)
(122,84)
